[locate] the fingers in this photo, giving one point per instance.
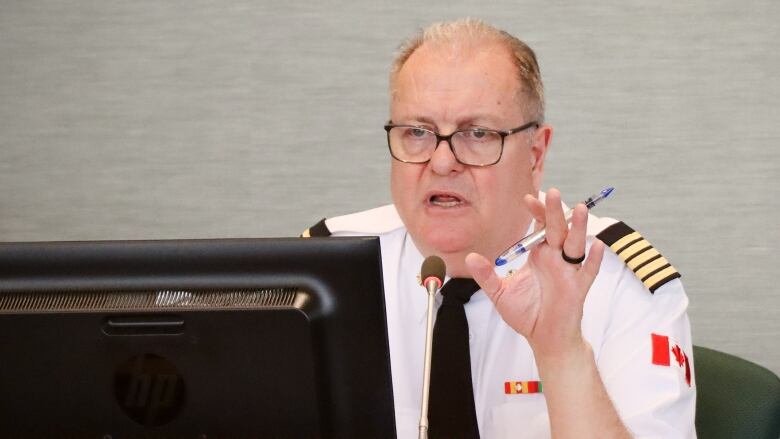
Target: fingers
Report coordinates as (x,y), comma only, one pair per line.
(482,272)
(556,226)
(536,208)
(574,243)
(571,240)
(592,264)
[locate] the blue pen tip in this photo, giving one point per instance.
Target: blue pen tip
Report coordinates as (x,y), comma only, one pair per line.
(607,191)
(500,262)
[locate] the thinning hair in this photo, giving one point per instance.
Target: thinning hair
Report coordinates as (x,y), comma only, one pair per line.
(474,32)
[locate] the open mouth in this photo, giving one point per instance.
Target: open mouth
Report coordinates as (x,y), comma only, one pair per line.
(445,200)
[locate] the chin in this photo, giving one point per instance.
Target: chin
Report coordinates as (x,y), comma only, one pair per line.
(447,241)
(442,231)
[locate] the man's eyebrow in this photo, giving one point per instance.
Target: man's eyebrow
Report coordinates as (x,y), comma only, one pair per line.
(479,119)
(414,119)
(485,120)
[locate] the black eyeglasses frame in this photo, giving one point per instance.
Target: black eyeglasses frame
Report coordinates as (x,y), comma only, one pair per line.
(439,138)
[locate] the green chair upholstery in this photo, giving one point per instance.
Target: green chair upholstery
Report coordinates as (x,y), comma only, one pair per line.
(734,397)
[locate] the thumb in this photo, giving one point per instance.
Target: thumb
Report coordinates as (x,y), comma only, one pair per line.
(482,272)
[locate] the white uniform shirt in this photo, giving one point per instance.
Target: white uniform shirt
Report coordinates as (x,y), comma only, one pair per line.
(620,314)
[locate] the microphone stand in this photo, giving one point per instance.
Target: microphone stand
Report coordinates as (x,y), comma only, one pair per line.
(431,285)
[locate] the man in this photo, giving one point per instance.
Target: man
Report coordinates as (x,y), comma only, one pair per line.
(468,141)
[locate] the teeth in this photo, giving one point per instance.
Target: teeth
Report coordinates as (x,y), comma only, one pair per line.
(446,204)
(445,201)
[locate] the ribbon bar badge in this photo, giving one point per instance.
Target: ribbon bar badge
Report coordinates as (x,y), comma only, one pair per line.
(514,387)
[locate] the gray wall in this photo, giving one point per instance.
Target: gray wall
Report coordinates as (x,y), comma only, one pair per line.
(184,119)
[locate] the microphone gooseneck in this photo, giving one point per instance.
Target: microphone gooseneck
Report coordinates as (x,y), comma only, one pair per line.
(432,275)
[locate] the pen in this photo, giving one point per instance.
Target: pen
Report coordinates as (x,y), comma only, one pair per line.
(531,240)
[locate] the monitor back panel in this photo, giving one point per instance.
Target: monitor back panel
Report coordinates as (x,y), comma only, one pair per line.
(206,338)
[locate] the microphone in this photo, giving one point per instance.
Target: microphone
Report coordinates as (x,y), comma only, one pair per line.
(432,275)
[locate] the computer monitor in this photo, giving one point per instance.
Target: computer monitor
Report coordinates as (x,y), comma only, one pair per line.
(260,338)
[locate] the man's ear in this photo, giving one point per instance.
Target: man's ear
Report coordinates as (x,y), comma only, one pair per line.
(539,146)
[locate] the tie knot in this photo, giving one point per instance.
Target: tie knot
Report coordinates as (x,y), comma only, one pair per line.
(459,289)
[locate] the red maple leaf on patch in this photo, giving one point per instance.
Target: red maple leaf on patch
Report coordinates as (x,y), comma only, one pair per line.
(678,355)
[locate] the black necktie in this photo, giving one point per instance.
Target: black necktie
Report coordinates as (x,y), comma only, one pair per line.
(451,412)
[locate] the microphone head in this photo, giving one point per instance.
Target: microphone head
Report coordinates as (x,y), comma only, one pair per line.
(433,268)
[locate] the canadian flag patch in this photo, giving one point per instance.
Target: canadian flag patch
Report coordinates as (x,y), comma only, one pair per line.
(667,352)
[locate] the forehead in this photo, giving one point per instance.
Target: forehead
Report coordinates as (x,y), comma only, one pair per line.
(457,83)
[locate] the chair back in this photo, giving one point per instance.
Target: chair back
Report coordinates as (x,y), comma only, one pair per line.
(734,397)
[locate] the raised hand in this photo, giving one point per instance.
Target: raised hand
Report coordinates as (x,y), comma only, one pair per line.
(544,300)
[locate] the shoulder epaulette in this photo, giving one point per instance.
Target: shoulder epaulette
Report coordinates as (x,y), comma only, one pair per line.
(648,264)
(319,230)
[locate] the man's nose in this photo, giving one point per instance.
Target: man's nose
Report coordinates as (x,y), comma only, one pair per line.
(443,161)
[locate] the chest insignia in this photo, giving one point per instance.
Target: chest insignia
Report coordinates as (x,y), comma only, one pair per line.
(514,387)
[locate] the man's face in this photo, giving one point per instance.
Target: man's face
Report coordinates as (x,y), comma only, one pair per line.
(452,209)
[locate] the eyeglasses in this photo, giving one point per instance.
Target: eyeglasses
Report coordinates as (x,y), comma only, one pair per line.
(471,146)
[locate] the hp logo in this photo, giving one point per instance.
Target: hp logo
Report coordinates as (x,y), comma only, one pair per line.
(149,389)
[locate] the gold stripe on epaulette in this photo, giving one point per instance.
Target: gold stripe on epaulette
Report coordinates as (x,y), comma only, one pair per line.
(641,259)
(319,230)
(646,262)
(658,279)
(634,250)
(622,242)
(651,267)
